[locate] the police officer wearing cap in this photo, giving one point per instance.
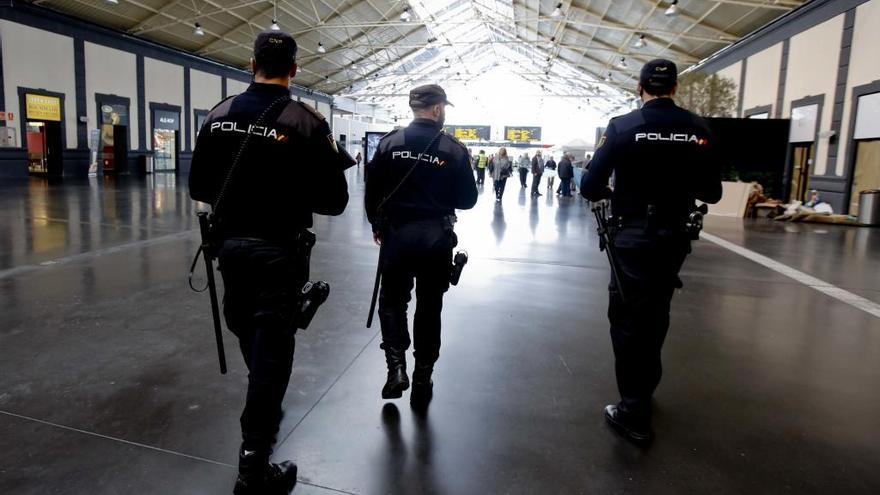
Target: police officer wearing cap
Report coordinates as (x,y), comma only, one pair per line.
(416,180)
(256,161)
(662,161)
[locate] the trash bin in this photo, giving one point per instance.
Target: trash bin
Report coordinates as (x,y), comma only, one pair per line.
(869,207)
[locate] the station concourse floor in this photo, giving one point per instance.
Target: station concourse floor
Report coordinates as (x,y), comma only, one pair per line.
(109,380)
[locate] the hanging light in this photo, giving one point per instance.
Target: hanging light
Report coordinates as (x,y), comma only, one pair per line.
(199,31)
(622,63)
(557,12)
(673,9)
(275,26)
(405,15)
(607,78)
(321,48)
(640,43)
(112,2)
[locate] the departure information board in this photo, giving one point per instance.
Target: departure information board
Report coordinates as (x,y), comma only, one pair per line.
(469,132)
(522,133)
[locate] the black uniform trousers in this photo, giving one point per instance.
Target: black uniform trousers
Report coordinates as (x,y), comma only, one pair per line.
(523,173)
(648,265)
(262,281)
(536,183)
(481,175)
(417,252)
(499,187)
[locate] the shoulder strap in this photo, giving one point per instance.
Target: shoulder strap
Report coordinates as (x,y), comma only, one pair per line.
(238,155)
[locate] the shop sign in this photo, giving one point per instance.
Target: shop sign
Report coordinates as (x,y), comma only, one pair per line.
(469,132)
(522,133)
(163,119)
(39,107)
(114,114)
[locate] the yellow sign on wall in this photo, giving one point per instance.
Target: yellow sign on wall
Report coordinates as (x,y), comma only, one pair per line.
(39,107)
(522,133)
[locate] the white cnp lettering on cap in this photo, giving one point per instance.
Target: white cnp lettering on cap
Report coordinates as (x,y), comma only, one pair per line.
(408,155)
(670,136)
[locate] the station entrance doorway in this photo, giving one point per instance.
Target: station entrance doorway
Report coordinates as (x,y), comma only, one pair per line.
(43,135)
(802,138)
(865,145)
(866,171)
(801,165)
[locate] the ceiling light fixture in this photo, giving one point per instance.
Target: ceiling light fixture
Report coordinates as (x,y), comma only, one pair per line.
(199,31)
(622,63)
(640,43)
(275,26)
(321,48)
(112,2)
(673,9)
(607,78)
(557,12)
(405,15)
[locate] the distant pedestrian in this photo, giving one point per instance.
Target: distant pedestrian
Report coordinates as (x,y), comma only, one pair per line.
(523,169)
(502,169)
(482,163)
(550,172)
(537,172)
(566,174)
(358,158)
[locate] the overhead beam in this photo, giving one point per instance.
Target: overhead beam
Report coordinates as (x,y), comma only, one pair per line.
(703,24)
(600,25)
(192,19)
(162,10)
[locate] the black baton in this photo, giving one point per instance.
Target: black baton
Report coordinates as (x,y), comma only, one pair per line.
(212,287)
(606,244)
(376,286)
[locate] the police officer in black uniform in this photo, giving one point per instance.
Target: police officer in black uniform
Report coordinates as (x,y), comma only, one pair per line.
(662,161)
(417,179)
(262,211)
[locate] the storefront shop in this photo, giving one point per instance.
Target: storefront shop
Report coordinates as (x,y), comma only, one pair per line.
(43,132)
(166,137)
(113,121)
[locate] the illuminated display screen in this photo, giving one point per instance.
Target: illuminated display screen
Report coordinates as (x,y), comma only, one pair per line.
(522,133)
(469,132)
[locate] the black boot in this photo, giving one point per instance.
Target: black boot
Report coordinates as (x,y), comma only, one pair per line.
(397,380)
(638,432)
(423,386)
(256,476)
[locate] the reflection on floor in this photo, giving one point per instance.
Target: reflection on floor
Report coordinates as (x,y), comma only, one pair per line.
(109,383)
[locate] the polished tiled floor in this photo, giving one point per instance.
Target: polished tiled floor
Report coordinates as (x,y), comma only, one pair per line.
(109,382)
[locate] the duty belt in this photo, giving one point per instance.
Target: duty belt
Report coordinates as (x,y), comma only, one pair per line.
(655,226)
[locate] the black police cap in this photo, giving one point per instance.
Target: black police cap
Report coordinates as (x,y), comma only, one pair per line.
(427,95)
(659,76)
(275,46)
